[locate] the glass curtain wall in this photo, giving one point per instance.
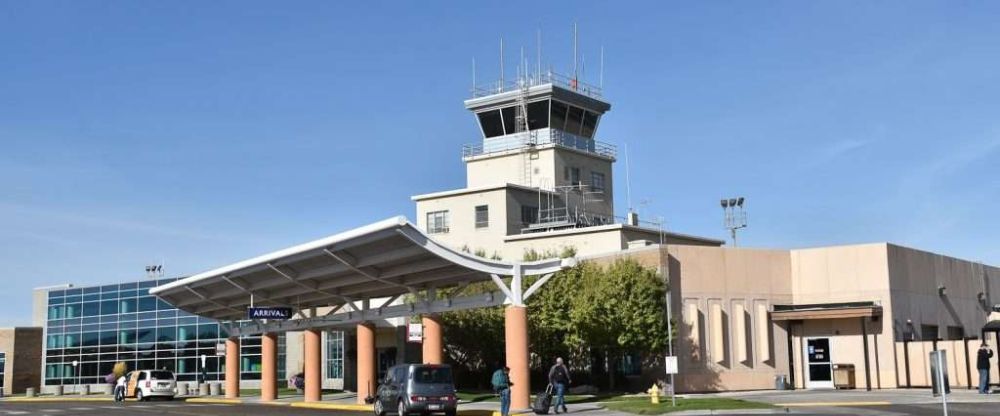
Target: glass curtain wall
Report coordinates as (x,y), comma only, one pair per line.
(101,325)
(335,354)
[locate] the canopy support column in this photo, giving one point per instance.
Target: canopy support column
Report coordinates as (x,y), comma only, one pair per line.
(366,361)
(232,367)
(516,337)
(269,367)
(432,346)
(313,381)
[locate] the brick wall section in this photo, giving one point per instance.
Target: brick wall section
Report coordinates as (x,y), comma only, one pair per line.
(23,348)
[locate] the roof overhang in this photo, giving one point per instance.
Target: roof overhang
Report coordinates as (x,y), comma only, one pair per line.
(826,311)
(384,259)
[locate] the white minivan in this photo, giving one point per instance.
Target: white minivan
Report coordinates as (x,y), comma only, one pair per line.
(143,384)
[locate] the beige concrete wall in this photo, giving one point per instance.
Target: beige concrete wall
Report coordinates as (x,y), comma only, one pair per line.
(960,372)
(717,350)
(854,273)
(915,277)
(462,219)
(586,241)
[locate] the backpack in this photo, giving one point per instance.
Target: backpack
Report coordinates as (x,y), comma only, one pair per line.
(499,380)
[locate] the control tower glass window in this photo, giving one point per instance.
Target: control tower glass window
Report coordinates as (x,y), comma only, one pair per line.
(538,115)
(491,123)
(589,124)
(509,119)
(574,120)
(559,115)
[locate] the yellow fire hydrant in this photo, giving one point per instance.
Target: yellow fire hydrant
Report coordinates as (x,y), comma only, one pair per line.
(654,394)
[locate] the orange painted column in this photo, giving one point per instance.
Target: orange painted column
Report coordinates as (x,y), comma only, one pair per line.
(433,347)
(269,367)
(232,367)
(313,366)
(366,361)
(516,337)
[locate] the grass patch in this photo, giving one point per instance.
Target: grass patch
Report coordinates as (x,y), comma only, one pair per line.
(644,407)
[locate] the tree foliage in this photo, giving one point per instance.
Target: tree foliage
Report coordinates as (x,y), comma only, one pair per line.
(586,310)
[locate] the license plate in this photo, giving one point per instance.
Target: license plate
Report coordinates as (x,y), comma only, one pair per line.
(433,407)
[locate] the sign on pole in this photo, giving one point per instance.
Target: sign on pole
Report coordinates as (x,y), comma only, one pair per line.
(220,349)
(415,332)
(670,364)
(269,312)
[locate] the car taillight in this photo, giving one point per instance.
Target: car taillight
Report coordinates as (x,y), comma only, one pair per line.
(418,398)
(447,398)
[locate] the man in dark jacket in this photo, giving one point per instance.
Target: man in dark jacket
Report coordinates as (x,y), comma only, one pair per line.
(559,379)
(983,365)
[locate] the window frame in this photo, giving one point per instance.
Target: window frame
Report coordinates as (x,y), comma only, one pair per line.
(485,222)
(433,227)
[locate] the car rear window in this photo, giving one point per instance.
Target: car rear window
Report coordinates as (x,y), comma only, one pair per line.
(161,375)
(432,374)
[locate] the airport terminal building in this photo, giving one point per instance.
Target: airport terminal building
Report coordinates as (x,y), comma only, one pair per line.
(538,181)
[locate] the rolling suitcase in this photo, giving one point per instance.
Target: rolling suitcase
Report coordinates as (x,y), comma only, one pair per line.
(543,401)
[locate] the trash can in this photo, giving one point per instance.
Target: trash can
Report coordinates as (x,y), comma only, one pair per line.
(781,382)
(843,376)
(215,388)
(29,392)
(84,389)
(57,390)
(203,389)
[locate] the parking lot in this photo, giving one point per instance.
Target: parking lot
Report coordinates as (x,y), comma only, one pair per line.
(159,408)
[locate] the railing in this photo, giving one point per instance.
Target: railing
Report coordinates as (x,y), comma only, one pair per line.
(539,137)
(531,80)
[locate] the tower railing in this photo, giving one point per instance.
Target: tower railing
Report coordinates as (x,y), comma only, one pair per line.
(539,137)
(532,80)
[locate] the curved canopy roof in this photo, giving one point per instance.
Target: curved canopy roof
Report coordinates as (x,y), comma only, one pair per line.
(388,258)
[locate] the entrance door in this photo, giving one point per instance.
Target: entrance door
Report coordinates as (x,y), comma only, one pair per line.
(819,365)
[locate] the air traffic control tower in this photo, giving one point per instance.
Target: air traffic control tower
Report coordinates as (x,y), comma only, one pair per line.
(538,180)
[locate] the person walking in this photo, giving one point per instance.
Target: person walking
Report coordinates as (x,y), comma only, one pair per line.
(120,389)
(983,365)
(559,379)
(501,386)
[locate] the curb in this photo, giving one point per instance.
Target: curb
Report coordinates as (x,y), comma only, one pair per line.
(730,412)
(332,406)
(59,399)
(214,401)
(832,404)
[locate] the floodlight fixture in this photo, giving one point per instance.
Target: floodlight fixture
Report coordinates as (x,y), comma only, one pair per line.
(734,215)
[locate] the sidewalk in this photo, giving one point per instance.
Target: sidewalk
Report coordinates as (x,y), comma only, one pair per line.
(826,398)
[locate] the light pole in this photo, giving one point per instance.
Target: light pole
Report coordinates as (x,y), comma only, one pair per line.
(76,372)
(734,216)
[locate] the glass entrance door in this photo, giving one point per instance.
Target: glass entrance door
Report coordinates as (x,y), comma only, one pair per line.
(819,365)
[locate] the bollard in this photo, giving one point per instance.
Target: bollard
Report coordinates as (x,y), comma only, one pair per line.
(203,389)
(29,392)
(215,389)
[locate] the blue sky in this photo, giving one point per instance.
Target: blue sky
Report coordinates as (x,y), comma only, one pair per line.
(201,133)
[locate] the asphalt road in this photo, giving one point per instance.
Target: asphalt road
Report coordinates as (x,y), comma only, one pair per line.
(175,408)
(954,409)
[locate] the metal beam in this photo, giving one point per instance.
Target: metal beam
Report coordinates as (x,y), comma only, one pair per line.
(395,311)
(538,284)
(350,263)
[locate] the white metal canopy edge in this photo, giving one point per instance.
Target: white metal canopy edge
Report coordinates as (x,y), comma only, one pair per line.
(449,267)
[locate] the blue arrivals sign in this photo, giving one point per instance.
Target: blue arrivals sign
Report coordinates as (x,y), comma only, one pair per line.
(269,312)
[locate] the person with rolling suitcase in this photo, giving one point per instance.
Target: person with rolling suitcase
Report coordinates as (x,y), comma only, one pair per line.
(543,401)
(559,377)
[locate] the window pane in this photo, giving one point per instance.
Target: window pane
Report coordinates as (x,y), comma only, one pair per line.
(558,115)
(589,124)
(482,216)
(574,120)
(538,115)
(109,307)
(597,182)
(491,124)
(509,121)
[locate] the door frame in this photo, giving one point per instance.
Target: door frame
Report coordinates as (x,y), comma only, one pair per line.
(807,382)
